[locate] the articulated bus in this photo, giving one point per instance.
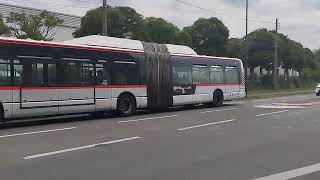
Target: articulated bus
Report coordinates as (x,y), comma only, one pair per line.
(41,79)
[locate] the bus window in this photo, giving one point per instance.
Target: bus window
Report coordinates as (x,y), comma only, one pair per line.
(125,73)
(52,74)
(182,74)
(216,75)
(17,78)
(75,73)
(5,72)
(232,75)
(103,74)
(200,74)
(32,73)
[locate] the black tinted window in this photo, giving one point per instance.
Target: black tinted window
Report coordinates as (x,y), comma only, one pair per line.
(125,73)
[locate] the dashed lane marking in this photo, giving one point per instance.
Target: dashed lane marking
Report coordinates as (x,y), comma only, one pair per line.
(79,148)
(204,125)
(147,119)
(277,112)
(37,132)
(218,110)
(293,173)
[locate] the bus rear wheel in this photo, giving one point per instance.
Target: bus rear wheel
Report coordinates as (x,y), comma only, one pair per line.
(1,114)
(126,105)
(218,99)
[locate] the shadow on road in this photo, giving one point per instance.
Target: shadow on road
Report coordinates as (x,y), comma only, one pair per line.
(86,117)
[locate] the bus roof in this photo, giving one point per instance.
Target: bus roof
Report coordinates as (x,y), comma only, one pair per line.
(105,41)
(175,50)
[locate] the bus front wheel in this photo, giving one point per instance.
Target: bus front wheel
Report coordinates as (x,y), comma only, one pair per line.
(126,105)
(218,99)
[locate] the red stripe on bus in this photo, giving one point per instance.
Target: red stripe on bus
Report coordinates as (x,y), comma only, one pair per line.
(120,86)
(218,84)
(9,88)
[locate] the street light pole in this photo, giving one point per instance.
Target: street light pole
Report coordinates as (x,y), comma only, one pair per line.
(276,56)
(105,19)
(247,49)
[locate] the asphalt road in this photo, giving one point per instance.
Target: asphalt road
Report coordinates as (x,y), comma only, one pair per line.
(249,139)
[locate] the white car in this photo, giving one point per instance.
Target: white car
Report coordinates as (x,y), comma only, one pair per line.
(318,90)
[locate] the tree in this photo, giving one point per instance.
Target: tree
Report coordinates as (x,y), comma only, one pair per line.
(261,49)
(183,38)
(316,56)
(123,22)
(209,36)
(4,29)
(234,48)
(37,27)
(161,31)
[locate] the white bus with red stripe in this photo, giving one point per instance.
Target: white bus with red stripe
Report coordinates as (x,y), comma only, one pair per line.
(48,79)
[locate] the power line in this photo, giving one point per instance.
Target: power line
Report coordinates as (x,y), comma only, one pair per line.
(220,13)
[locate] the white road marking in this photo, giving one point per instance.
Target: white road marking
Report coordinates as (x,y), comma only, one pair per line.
(277,112)
(204,125)
(218,110)
(279,107)
(37,132)
(79,148)
(234,103)
(147,119)
(261,100)
(293,173)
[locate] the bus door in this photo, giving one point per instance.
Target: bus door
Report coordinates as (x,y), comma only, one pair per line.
(217,78)
(76,86)
(6,88)
(232,82)
(37,95)
(103,86)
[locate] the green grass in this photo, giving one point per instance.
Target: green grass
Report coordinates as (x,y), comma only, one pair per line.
(267,93)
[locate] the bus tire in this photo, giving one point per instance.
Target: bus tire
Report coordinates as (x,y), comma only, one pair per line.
(318,94)
(218,98)
(126,105)
(2,119)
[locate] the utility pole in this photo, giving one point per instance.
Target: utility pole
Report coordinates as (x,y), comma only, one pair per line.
(276,56)
(247,49)
(105,18)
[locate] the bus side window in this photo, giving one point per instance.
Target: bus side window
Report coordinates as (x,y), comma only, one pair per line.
(34,73)
(103,74)
(216,75)
(17,73)
(232,75)
(200,74)
(125,73)
(75,73)
(5,72)
(182,74)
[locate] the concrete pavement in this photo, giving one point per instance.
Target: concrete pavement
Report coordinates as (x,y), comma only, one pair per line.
(237,141)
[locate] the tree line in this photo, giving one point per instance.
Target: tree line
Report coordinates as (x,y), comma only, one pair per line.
(207,36)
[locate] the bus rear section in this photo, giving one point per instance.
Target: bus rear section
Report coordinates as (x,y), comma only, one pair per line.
(206,80)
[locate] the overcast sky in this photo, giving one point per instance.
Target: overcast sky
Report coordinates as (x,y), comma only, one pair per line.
(299,19)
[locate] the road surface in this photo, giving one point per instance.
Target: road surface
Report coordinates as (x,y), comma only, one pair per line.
(250,139)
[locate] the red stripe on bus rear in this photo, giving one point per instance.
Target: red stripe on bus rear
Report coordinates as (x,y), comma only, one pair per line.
(8,88)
